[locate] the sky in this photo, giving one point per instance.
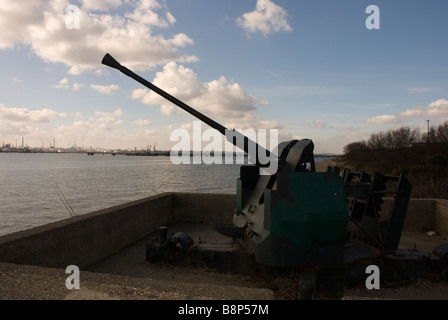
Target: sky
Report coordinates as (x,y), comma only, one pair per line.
(334,71)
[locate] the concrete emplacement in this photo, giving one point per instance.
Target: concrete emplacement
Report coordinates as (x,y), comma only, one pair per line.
(33,262)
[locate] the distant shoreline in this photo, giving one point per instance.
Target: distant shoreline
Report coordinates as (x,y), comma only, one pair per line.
(130,152)
(321,166)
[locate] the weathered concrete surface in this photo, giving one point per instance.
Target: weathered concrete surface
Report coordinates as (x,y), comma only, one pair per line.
(24,282)
(427,215)
(84,240)
(420,215)
(441,217)
(416,289)
(200,207)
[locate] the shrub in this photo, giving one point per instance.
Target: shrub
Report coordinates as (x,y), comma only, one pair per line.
(425,163)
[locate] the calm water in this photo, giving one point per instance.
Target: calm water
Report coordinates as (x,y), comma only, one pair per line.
(27,184)
(28,197)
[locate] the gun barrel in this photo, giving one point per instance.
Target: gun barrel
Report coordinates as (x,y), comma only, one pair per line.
(108,60)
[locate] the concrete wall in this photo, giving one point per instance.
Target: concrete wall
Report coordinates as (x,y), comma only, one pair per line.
(424,215)
(441,217)
(420,215)
(87,239)
(200,207)
(84,240)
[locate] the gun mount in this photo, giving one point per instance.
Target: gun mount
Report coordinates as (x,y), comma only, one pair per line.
(296,217)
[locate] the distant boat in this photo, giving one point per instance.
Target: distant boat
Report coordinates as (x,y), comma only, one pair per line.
(90,153)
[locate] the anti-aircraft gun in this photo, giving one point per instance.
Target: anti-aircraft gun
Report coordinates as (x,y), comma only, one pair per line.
(280,215)
(297,218)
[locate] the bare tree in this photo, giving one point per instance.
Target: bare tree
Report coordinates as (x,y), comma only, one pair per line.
(441,133)
(394,139)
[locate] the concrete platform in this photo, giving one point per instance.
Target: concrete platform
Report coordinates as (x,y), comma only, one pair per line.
(131,263)
(109,248)
(25,282)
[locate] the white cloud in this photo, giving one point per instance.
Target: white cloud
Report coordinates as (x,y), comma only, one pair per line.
(414,112)
(78,131)
(178,81)
(270,124)
(16,122)
(100,72)
(421,90)
(41,25)
(100,4)
(437,108)
(64,84)
(109,89)
(266,19)
(383,119)
(145,12)
(76,86)
(24,115)
(317,124)
(102,129)
(187,126)
(171,19)
(149,132)
(103,118)
(143,122)
(15,79)
(138,93)
(98,130)
(75,129)
(169,109)
(221,100)
(95,133)
(78,115)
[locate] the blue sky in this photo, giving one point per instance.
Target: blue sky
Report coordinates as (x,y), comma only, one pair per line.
(311,69)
